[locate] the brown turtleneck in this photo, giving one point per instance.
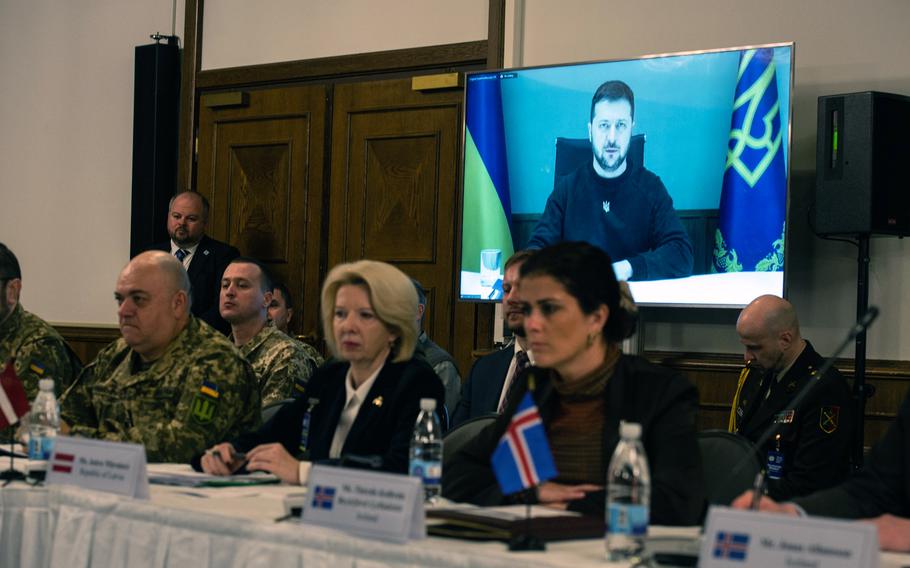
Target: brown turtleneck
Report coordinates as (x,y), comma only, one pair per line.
(576,431)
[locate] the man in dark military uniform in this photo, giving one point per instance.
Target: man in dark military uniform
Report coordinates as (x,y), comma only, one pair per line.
(283,365)
(810,448)
(171,382)
(40,351)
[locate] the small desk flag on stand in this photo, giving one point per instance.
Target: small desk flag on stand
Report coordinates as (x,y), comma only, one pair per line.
(13,400)
(523,459)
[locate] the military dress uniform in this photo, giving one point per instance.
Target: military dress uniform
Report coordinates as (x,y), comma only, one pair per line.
(811,447)
(39,350)
(199,392)
(282,364)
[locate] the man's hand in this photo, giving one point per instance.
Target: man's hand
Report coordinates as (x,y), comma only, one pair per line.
(558,495)
(221,460)
(893,532)
(273,458)
(766,504)
(622,270)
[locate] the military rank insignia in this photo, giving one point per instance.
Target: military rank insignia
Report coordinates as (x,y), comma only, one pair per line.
(785,417)
(827,419)
(205,402)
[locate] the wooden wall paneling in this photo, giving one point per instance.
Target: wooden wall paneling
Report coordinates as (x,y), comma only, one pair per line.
(716,375)
(261,166)
(86,341)
(395,156)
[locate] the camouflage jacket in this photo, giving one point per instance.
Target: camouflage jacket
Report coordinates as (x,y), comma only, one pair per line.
(283,365)
(201,391)
(40,352)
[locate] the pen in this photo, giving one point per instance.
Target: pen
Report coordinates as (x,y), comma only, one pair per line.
(758,489)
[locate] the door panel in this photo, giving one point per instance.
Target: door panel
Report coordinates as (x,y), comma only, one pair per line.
(394,177)
(261,167)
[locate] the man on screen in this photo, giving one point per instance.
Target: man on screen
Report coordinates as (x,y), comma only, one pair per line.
(617,204)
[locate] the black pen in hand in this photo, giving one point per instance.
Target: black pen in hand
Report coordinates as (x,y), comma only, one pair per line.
(758,489)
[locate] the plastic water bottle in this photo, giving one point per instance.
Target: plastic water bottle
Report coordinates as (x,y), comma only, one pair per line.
(628,496)
(43,424)
(426,450)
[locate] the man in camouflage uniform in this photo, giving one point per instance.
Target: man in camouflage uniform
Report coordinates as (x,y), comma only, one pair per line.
(40,351)
(436,356)
(283,365)
(171,382)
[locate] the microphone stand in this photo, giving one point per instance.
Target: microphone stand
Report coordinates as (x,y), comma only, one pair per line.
(11,474)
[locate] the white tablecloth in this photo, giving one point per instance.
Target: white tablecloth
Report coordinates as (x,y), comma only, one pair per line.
(65,527)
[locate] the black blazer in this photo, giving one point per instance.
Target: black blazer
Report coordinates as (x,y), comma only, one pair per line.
(480,393)
(206,268)
(662,401)
(883,486)
(381,433)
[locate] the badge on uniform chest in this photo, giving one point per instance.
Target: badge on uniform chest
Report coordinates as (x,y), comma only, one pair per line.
(785,417)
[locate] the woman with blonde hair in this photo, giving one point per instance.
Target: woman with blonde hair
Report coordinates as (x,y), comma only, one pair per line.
(359,409)
(576,315)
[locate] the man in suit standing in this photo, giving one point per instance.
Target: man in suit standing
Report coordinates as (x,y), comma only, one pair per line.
(203,258)
(487,387)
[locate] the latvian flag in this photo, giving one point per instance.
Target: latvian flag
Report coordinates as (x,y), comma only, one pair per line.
(62,463)
(13,401)
(523,459)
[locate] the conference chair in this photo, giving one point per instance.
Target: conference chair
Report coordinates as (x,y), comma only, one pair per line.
(272,408)
(457,437)
(730,463)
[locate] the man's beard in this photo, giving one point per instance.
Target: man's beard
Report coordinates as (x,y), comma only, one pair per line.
(601,158)
(518,330)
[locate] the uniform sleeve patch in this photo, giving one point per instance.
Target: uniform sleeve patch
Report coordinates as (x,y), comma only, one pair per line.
(828,419)
(210,389)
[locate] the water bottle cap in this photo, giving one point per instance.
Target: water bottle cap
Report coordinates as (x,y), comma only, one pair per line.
(428,404)
(630,429)
(46,384)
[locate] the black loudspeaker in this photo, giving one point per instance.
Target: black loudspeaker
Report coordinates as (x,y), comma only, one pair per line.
(862,158)
(156,107)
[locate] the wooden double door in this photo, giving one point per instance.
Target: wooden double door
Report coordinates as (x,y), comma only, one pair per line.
(305,177)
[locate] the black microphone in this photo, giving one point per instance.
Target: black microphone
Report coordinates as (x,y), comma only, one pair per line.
(861,325)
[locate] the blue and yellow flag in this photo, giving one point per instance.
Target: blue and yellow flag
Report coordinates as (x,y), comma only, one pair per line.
(487,206)
(753,199)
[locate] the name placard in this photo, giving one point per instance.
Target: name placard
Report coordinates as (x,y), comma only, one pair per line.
(113,467)
(375,505)
(749,538)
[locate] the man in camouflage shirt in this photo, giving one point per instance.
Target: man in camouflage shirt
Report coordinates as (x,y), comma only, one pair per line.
(282,364)
(39,351)
(171,382)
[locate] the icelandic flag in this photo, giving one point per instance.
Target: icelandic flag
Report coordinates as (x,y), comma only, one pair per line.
(323,497)
(487,216)
(523,459)
(731,546)
(13,400)
(753,199)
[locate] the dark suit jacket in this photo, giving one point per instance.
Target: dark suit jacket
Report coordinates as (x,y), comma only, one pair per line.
(816,450)
(662,401)
(883,486)
(480,393)
(206,268)
(381,433)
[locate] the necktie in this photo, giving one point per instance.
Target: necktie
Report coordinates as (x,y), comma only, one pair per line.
(181,254)
(522,362)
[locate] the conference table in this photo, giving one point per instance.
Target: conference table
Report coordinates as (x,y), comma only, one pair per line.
(68,527)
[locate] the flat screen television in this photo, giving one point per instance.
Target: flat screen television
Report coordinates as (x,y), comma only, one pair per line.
(676,164)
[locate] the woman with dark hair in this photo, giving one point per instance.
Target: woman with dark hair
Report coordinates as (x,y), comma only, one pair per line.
(584,386)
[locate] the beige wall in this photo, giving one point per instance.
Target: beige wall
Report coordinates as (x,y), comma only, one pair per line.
(66,124)
(65,144)
(240,32)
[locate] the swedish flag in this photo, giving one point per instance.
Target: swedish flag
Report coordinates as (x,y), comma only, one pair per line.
(753,200)
(487,205)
